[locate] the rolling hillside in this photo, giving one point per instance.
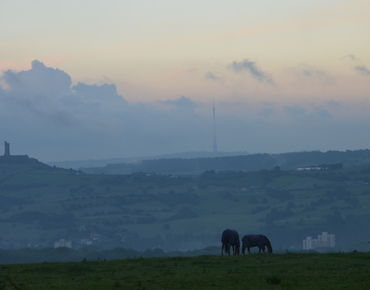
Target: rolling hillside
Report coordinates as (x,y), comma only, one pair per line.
(39,205)
(252,162)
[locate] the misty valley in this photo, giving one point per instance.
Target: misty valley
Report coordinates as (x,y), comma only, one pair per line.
(41,205)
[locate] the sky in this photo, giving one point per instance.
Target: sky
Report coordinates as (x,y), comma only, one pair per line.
(107,79)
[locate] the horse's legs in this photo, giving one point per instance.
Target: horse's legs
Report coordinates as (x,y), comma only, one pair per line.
(222,249)
(249,250)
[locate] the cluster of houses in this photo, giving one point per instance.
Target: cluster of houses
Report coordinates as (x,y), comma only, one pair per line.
(13,244)
(63,243)
(94,237)
(68,244)
(322,241)
(311,168)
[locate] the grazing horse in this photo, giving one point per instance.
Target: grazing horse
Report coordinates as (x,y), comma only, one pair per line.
(260,241)
(230,238)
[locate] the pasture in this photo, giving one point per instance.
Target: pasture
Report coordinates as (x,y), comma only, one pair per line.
(256,271)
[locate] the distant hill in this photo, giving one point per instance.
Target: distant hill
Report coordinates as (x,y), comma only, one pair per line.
(253,162)
(76,164)
(20,163)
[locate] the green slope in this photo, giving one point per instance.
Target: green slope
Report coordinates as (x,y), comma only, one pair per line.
(40,204)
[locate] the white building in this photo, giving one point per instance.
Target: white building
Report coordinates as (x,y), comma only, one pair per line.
(85,242)
(63,243)
(322,241)
(326,240)
(309,243)
(310,168)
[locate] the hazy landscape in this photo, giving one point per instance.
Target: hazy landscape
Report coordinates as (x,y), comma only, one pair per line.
(142,211)
(136,133)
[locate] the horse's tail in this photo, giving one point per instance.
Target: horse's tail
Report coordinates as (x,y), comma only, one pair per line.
(268,244)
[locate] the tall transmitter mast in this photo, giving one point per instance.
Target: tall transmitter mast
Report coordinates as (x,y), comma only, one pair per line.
(214,129)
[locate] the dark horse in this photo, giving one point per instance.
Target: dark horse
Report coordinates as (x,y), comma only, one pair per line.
(230,238)
(260,241)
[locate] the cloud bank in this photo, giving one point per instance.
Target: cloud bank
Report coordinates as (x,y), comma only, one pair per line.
(43,115)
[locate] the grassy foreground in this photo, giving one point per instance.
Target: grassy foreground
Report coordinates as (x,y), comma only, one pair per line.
(256,271)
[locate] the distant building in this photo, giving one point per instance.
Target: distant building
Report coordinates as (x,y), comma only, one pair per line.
(7,149)
(322,241)
(326,240)
(85,242)
(309,243)
(63,243)
(250,188)
(310,168)
(95,236)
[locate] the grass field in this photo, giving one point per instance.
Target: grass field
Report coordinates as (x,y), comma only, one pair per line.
(256,271)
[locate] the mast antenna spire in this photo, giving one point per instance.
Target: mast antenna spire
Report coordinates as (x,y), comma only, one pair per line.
(214,128)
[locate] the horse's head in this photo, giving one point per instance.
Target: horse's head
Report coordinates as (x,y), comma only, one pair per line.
(237,249)
(268,245)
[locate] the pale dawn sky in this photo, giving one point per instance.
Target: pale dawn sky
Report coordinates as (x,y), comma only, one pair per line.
(141,75)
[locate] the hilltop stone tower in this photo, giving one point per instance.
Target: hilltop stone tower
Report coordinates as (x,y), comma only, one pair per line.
(7,149)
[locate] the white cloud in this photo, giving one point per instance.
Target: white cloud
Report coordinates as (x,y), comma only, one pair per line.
(250,66)
(362,70)
(351,57)
(211,76)
(39,80)
(305,71)
(182,104)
